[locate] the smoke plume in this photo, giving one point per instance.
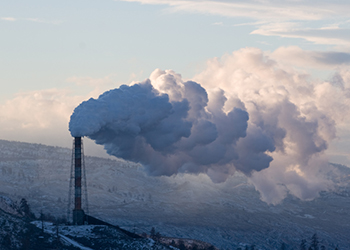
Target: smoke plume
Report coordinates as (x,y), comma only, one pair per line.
(169,133)
(243,113)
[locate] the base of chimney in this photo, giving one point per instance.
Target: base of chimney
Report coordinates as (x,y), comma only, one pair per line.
(78,217)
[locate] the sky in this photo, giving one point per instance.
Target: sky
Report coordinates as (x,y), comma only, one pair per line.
(56,54)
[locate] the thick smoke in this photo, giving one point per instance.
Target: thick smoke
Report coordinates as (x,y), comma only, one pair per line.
(253,116)
(296,113)
(177,131)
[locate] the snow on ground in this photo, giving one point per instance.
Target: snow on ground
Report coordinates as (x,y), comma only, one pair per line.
(80,231)
(227,215)
(7,205)
(74,243)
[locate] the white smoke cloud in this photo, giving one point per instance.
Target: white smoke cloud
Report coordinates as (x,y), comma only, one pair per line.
(299,114)
(248,114)
(170,130)
(245,112)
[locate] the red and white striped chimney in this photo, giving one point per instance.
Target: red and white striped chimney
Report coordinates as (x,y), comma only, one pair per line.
(78,212)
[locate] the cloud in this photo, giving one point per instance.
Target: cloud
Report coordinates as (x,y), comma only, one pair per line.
(11,19)
(309,20)
(43,115)
(36,20)
(296,56)
(329,36)
(218,24)
(258,10)
(167,124)
(296,114)
(36,115)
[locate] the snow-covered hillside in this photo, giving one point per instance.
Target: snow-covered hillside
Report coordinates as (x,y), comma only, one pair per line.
(228,215)
(90,237)
(17,233)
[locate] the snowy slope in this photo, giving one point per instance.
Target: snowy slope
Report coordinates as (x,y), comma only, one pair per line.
(8,206)
(90,237)
(18,233)
(10,228)
(227,215)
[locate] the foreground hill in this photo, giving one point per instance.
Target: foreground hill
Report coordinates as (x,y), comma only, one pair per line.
(228,215)
(17,232)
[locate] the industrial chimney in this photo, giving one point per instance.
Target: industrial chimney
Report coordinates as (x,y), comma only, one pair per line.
(78,165)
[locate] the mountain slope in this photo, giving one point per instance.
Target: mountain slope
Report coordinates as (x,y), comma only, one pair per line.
(228,215)
(17,233)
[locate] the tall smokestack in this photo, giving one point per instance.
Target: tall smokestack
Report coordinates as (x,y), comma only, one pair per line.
(78,212)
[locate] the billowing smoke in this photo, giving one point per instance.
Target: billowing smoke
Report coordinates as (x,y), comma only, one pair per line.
(243,113)
(177,131)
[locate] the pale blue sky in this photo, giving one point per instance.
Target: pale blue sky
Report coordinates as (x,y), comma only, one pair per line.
(45,42)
